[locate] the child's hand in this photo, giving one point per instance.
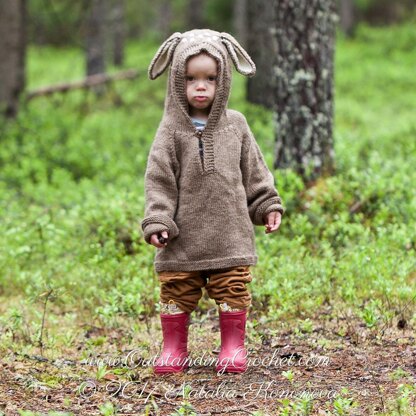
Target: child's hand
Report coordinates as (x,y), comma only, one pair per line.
(154,239)
(272,221)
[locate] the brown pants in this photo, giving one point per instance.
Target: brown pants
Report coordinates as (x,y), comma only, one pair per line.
(223,285)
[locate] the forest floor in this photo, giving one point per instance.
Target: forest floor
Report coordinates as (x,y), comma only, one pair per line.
(352,370)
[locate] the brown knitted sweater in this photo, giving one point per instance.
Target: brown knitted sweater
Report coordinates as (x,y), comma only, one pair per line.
(208,201)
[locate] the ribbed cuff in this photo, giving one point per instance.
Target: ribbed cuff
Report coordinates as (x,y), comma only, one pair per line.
(272,204)
(157,224)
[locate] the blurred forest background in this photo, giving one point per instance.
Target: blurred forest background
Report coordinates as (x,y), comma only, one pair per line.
(63,22)
(73,263)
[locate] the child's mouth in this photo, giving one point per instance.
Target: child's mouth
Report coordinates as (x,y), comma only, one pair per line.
(200,98)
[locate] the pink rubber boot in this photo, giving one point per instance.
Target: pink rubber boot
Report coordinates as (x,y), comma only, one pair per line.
(232,357)
(175,343)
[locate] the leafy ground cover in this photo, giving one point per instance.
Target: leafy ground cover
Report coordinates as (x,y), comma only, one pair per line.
(338,280)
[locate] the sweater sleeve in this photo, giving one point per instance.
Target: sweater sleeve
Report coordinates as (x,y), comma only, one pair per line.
(161,189)
(259,183)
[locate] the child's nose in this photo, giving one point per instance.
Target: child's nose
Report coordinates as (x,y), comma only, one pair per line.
(200,85)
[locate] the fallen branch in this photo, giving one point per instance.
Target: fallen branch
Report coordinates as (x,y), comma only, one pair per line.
(88,82)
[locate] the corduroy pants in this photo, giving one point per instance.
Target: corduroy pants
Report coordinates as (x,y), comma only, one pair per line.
(223,285)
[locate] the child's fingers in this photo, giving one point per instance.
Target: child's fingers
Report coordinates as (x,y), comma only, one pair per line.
(271,219)
(163,238)
(272,229)
(154,240)
(278,220)
(273,222)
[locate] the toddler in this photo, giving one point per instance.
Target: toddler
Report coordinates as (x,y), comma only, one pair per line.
(206,184)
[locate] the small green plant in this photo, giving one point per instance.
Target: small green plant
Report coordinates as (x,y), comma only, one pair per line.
(152,405)
(12,322)
(286,407)
(108,409)
(398,374)
(68,338)
(306,326)
(369,314)
(404,404)
(67,401)
(51,380)
(305,406)
(406,401)
(298,407)
(101,372)
(186,408)
(289,375)
(344,404)
(97,341)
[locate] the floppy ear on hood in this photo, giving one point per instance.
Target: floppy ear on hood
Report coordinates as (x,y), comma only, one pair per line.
(163,56)
(241,59)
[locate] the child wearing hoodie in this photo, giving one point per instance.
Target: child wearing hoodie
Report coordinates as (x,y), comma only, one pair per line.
(206,184)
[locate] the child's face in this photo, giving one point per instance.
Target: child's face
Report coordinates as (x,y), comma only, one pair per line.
(201,83)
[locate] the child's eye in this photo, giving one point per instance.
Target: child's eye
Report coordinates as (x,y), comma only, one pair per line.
(189,78)
(212,78)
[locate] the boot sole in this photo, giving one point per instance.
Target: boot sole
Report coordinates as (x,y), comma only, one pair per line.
(231,369)
(165,370)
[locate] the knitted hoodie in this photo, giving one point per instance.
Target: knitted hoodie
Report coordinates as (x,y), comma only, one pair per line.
(207,201)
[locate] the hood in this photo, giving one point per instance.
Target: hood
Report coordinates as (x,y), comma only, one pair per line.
(176,50)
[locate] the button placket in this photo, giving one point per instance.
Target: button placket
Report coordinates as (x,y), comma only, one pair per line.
(201,147)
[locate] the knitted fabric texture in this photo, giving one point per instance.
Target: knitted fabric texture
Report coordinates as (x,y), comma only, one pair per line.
(208,204)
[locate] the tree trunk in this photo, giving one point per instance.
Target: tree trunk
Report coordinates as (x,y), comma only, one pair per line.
(164,19)
(118,34)
(346,14)
(305,34)
(240,21)
(195,14)
(95,37)
(12,54)
(261,46)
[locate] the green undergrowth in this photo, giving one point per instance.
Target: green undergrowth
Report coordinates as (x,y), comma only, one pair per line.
(72,196)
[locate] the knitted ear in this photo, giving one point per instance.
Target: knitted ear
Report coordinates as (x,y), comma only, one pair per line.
(241,59)
(163,56)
